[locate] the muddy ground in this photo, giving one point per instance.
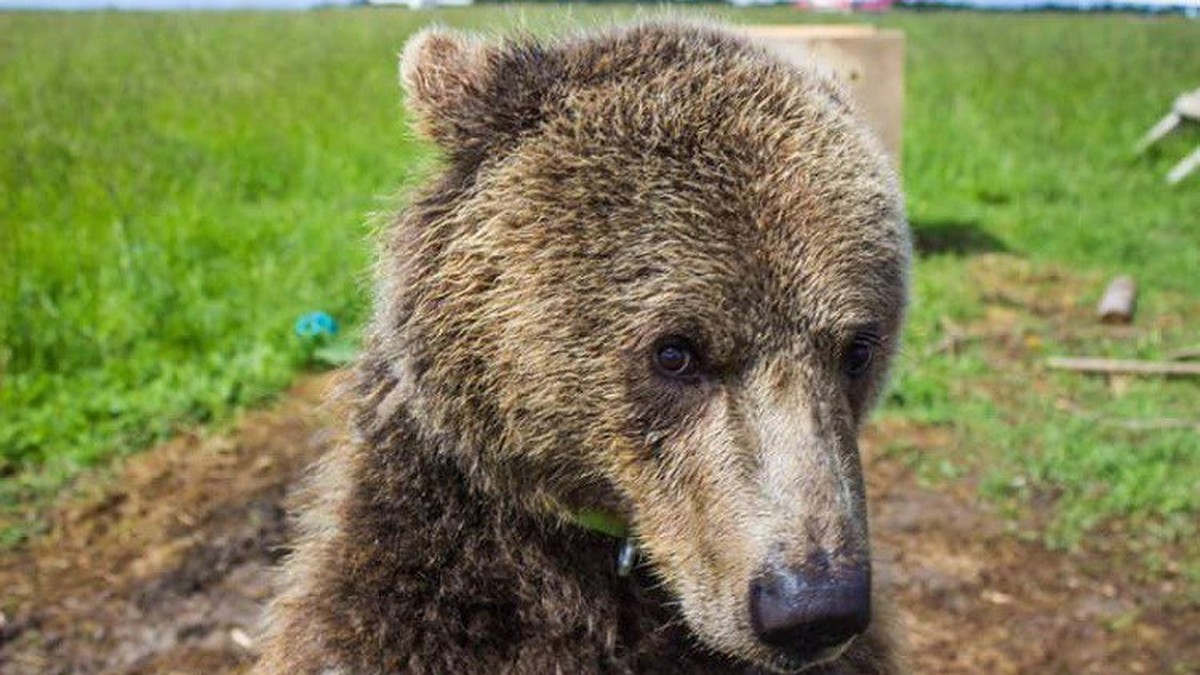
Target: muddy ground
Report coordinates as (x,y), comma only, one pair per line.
(165,565)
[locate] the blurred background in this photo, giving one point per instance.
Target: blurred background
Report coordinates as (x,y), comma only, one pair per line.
(185,242)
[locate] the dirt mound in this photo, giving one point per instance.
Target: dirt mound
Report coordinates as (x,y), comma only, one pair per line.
(166,568)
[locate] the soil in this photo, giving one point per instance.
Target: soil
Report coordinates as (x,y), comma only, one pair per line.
(164,565)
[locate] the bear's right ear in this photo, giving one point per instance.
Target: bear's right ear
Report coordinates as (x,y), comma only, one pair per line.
(445,75)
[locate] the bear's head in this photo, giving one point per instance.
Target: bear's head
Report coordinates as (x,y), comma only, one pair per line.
(662,275)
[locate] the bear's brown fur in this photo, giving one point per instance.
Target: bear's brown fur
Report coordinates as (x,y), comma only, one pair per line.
(604,196)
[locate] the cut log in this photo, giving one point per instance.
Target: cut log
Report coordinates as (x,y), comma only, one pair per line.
(1125,367)
(1118,302)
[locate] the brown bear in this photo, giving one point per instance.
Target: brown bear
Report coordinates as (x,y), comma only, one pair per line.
(650,297)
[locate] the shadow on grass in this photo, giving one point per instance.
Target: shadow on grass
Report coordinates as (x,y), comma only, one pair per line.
(954,237)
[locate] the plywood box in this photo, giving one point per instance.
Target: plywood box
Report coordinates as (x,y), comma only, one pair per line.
(869,60)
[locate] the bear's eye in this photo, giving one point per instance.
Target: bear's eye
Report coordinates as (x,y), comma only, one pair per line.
(858,355)
(676,358)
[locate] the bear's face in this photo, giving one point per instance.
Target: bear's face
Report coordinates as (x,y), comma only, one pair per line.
(664,276)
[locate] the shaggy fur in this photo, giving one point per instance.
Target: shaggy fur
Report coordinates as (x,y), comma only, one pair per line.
(601,195)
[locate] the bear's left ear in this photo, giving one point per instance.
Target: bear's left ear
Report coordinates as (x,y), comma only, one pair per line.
(466,93)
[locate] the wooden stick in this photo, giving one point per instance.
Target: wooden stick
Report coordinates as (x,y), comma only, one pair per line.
(1184,167)
(1155,424)
(1164,126)
(1133,424)
(1184,354)
(1124,367)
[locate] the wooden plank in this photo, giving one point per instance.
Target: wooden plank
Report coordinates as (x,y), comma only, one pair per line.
(1125,367)
(1184,167)
(1164,126)
(869,60)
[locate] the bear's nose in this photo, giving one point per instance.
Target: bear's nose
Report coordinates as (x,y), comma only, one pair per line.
(810,609)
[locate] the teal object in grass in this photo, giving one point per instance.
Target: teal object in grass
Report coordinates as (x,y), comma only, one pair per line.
(316,324)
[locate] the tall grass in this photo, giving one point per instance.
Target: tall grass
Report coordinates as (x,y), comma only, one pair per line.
(178,189)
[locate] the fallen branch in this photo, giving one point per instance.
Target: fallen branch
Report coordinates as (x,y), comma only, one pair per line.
(1130,423)
(1154,424)
(955,337)
(1125,367)
(1184,354)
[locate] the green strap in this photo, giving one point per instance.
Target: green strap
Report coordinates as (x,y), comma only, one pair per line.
(604,522)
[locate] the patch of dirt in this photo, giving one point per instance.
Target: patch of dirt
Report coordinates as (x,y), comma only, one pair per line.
(166,567)
(976,598)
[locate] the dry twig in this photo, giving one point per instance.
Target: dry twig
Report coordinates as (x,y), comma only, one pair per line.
(1184,354)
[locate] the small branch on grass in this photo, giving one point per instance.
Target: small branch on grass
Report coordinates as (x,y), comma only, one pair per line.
(955,337)
(1125,367)
(1184,354)
(1153,424)
(1131,424)
(950,345)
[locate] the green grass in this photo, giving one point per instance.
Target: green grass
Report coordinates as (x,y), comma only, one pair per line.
(179,188)
(1019,128)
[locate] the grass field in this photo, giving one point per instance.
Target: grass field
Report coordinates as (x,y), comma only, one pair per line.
(179,188)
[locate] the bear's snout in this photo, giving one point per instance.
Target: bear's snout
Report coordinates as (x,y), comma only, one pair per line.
(809,613)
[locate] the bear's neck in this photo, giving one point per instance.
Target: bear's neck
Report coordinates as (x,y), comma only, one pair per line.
(438,574)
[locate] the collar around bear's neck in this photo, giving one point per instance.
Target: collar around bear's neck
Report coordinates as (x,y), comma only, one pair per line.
(602,522)
(611,525)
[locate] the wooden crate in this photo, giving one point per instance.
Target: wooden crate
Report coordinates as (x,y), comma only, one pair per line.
(869,60)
